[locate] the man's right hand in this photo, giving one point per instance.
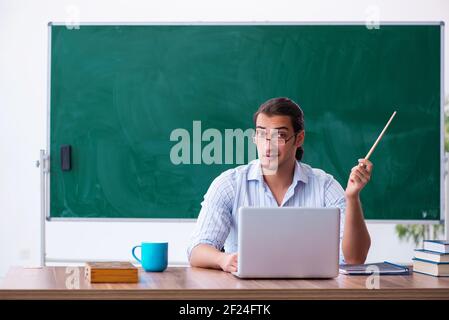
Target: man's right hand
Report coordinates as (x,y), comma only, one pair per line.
(228,262)
(207,256)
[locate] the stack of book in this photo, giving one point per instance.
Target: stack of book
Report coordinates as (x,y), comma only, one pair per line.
(433,259)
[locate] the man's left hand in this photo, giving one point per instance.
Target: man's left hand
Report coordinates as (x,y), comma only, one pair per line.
(359,177)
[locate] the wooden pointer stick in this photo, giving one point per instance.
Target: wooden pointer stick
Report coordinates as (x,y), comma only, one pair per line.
(380,137)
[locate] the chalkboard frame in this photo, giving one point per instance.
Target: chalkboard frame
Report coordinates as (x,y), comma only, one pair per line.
(44,167)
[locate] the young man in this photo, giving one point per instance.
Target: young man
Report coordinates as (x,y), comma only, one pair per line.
(277,178)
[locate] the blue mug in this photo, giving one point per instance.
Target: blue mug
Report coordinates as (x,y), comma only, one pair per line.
(154,256)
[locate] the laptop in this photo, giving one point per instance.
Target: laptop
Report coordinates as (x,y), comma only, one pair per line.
(288,242)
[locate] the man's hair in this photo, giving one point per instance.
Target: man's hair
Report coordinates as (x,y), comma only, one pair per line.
(283,106)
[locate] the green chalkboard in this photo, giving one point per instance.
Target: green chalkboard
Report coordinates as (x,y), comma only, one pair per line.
(119,93)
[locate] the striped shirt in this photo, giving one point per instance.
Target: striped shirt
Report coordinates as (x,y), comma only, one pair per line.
(245,186)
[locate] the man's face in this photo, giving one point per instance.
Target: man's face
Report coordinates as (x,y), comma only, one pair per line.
(276,141)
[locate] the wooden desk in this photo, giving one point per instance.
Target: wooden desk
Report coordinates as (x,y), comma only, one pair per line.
(195,283)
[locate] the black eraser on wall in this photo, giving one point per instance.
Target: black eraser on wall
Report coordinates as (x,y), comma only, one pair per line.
(66,157)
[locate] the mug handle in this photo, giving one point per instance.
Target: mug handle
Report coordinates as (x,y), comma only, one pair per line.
(134,254)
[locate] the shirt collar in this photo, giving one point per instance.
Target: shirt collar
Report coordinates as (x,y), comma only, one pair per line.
(255,172)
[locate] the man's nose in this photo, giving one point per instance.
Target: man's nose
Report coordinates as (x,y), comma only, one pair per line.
(270,146)
(267,147)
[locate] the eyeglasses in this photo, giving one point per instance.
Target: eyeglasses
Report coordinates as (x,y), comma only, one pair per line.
(282,139)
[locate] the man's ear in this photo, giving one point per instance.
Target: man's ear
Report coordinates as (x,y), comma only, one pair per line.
(300,138)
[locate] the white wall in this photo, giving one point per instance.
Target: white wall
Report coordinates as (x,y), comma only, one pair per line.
(23,93)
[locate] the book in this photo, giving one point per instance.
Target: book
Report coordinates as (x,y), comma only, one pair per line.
(431,255)
(441,246)
(111,272)
(384,268)
(438,269)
